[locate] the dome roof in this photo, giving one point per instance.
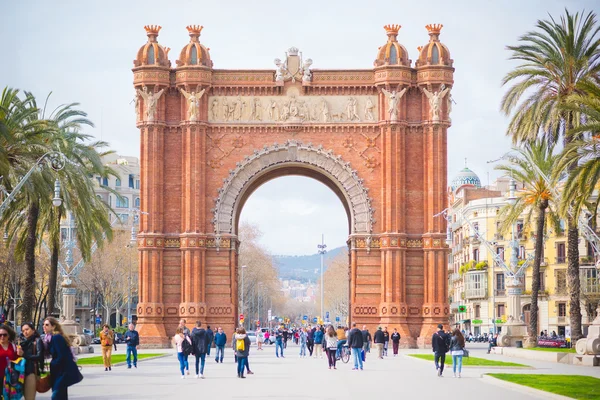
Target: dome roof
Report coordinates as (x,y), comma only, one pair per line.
(152,53)
(392,53)
(465,177)
(434,52)
(194,53)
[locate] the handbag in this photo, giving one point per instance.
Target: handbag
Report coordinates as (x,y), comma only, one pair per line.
(465,353)
(42,384)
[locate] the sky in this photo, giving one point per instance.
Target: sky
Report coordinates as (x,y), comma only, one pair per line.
(82,51)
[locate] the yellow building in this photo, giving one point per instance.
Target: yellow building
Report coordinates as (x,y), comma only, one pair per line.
(479,285)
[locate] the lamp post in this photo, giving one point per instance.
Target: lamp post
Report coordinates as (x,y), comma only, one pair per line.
(322,252)
(242,290)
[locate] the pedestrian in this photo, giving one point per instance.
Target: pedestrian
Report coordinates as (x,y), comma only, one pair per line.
(220,342)
(366,340)
(107,340)
(457,347)
(493,342)
(310,343)
(132,338)
(395,341)
(259,339)
(8,349)
(386,340)
(267,337)
(279,342)
(302,341)
(32,350)
(379,340)
(184,328)
(318,337)
(331,341)
(63,369)
(242,350)
(182,350)
(440,344)
(200,343)
(355,342)
(210,337)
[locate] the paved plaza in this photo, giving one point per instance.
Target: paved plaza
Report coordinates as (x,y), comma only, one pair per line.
(308,379)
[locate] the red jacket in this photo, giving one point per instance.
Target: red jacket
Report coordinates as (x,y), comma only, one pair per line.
(11,354)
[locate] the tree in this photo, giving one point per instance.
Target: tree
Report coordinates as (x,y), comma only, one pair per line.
(337,286)
(532,164)
(556,59)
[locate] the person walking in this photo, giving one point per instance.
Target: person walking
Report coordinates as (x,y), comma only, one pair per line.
(259,339)
(32,350)
(355,342)
(331,341)
(367,339)
(386,340)
(279,342)
(302,341)
(184,328)
(107,340)
(440,344)
(132,338)
(318,337)
(182,350)
(457,350)
(379,340)
(200,343)
(310,343)
(8,349)
(242,350)
(395,341)
(210,336)
(220,343)
(63,369)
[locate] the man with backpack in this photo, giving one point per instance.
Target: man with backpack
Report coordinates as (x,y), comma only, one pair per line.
(441,344)
(200,344)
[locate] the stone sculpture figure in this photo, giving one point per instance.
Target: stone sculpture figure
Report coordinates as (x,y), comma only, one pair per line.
(138,106)
(449,108)
(435,101)
(151,101)
(325,111)
(256,110)
(369,108)
(280,70)
(393,99)
(307,75)
(285,111)
(304,111)
(293,110)
(273,111)
(351,109)
(193,99)
(225,107)
(214,108)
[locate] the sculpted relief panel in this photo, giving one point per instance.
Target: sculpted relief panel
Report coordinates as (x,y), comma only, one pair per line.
(292,108)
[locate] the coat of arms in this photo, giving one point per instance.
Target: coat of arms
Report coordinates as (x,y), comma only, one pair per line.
(293,68)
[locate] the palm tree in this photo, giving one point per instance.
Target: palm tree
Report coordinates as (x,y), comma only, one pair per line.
(534,202)
(555,60)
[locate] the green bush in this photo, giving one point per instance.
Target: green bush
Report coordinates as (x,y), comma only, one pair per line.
(481,265)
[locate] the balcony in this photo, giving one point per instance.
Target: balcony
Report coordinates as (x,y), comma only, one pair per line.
(475,285)
(562,320)
(498,236)
(476,293)
(560,260)
(500,292)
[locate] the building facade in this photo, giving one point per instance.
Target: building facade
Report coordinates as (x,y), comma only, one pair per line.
(479,285)
(377,137)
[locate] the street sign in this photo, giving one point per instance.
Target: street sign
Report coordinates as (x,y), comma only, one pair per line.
(462,309)
(314,320)
(305,318)
(98,320)
(337,319)
(326,315)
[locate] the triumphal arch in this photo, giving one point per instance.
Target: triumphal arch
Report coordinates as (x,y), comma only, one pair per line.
(209,137)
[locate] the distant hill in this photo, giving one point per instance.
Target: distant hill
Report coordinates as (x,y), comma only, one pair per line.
(304,268)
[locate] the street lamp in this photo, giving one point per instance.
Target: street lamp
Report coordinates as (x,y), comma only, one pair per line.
(242,288)
(322,252)
(56,201)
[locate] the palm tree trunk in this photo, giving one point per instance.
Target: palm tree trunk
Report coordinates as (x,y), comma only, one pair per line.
(535,281)
(30,245)
(573,283)
(55,245)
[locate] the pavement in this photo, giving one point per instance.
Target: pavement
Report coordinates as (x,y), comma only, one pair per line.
(309,378)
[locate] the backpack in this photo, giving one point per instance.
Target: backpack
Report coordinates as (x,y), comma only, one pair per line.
(14,379)
(186,347)
(240,345)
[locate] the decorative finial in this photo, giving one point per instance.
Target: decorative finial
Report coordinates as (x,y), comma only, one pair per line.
(194,30)
(434,29)
(465,162)
(419,49)
(392,30)
(152,30)
(293,51)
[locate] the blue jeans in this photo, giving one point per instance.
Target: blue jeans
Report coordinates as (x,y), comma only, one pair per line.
(182,362)
(220,353)
(241,364)
(278,345)
(340,344)
(200,359)
(303,349)
(457,361)
(208,348)
(357,357)
(439,360)
(130,350)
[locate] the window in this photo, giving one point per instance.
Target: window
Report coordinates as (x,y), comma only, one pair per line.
(519,229)
(560,253)
(137,202)
(131,181)
(500,252)
(151,55)
(562,309)
(435,55)
(117,182)
(476,255)
(123,203)
(99,180)
(393,55)
(476,226)
(194,56)
(500,310)
(105,181)
(477,311)
(109,200)
(500,282)
(137,183)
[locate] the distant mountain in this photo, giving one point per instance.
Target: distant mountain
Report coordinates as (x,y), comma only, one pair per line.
(304,268)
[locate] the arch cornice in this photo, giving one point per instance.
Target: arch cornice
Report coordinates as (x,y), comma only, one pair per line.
(293,153)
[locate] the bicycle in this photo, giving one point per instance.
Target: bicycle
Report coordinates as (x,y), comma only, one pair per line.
(345,354)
